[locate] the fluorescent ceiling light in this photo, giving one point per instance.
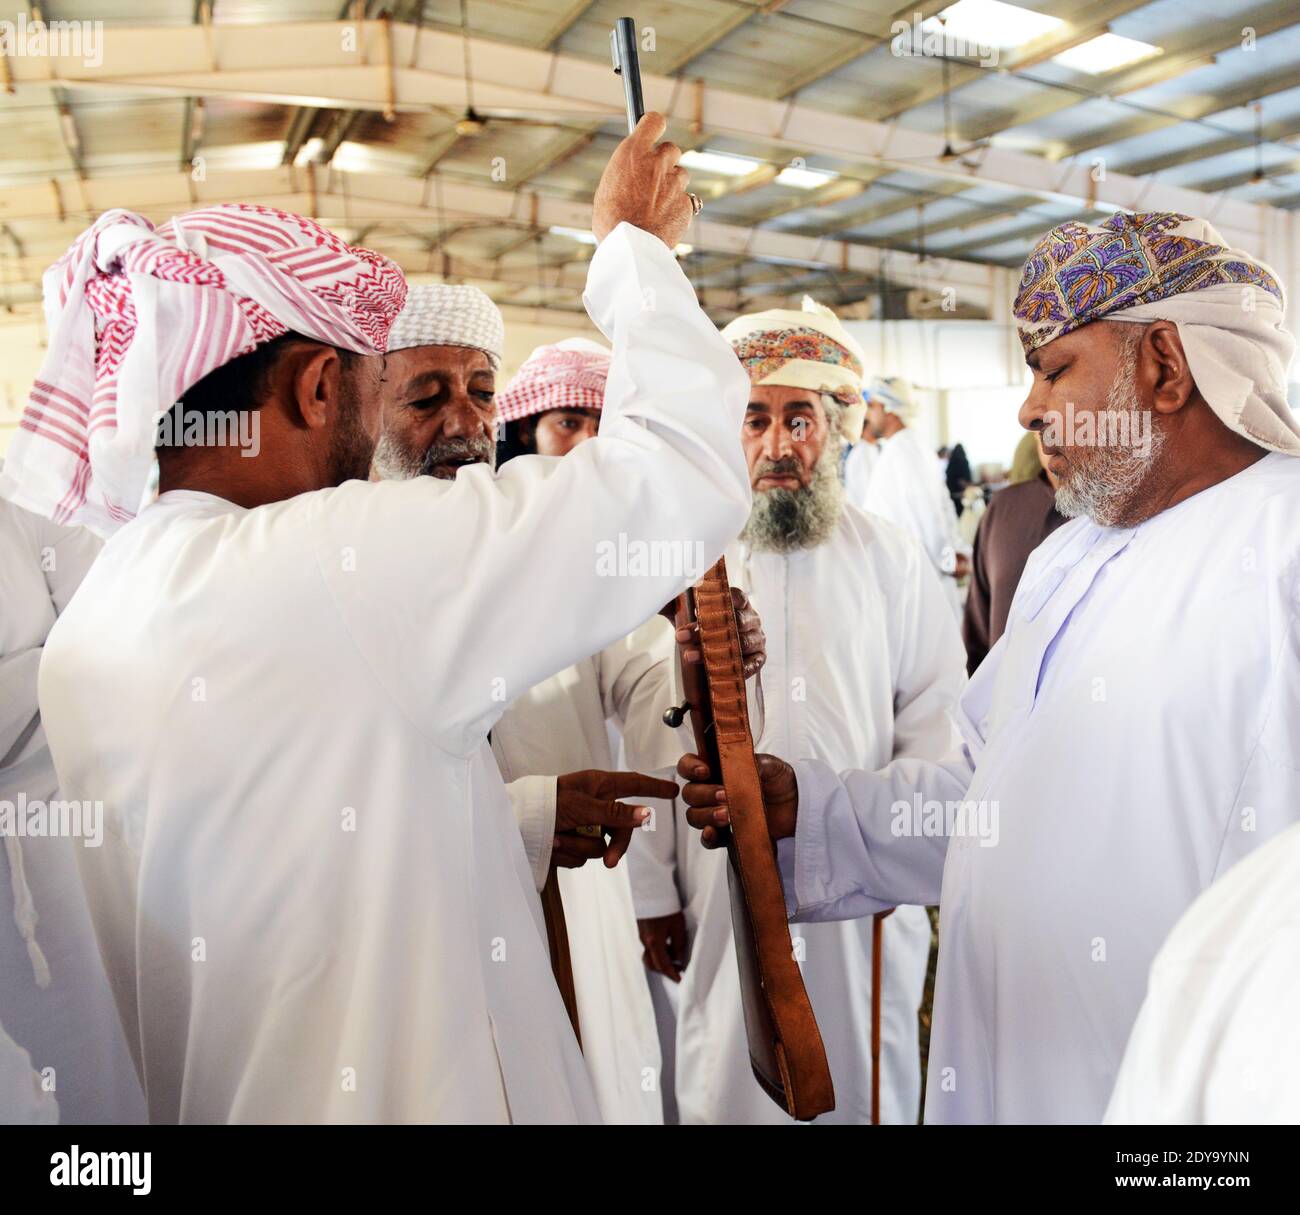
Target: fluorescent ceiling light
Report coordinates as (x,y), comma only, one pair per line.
(804,179)
(311,150)
(265,155)
(586,238)
(352,157)
(720,162)
(992,23)
(1105,53)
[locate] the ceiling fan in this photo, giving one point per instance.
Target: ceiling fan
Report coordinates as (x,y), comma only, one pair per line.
(1259,177)
(472,121)
(950,153)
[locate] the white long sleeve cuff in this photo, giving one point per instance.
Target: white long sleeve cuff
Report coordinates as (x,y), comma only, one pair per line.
(807,873)
(854,851)
(533,801)
(652,863)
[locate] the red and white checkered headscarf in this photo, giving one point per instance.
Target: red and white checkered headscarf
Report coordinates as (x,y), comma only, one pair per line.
(568,375)
(137,316)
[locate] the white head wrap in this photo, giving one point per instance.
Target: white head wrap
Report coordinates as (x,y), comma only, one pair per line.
(442,314)
(1238,358)
(895,393)
(1229,308)
(805,349)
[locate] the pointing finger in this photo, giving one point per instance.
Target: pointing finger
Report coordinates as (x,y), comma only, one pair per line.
(634,784)
(620,840)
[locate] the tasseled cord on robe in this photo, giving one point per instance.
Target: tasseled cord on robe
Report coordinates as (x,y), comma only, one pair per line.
(25,916)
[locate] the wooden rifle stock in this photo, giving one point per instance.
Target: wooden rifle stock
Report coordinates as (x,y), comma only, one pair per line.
(785,1045)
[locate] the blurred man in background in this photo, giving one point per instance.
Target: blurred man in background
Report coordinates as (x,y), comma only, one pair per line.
(859,460)
(906,486)
(1015,522)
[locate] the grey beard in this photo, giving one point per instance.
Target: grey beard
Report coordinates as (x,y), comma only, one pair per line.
(784,520)
(396,463)
(1103,487)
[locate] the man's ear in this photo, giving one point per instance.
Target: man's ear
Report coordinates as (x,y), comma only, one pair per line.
(311,378)
(1174,385)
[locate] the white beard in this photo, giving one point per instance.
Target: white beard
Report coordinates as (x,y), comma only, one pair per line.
(394,463)
(784,520)
(1114,478)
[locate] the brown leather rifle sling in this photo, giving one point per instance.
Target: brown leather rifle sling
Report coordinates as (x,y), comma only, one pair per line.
(785,1045)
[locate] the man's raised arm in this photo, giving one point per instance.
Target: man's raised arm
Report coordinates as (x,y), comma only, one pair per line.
(593,544)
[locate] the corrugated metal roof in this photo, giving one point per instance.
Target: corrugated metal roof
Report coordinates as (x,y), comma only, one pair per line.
(1185,115)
